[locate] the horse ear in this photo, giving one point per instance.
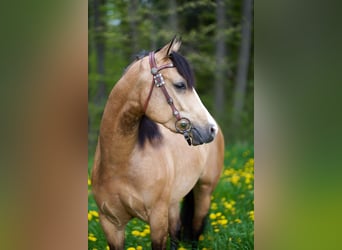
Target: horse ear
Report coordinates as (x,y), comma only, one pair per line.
(174,45)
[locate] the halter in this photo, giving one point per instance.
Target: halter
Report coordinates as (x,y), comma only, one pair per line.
(182,125)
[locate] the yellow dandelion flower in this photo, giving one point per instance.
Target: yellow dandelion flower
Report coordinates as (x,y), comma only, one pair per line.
(235,179)
(228,172)
(214,206)
(223,217)
(91,238)
(107,247)
(251,215)
(201,237)
(212,216)
(135,233)
(181,248)
(94,213)
(90,216)
(228,205)
(142,234)
(223,222)
(147,231)
(89,182)
(218,214)
(216,230)
(238,221)
(131,248)
(213,223)
(139,248)
(94,248)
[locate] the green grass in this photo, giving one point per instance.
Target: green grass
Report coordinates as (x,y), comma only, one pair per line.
(231,218)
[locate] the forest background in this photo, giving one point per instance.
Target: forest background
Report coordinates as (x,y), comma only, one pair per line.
(217,41)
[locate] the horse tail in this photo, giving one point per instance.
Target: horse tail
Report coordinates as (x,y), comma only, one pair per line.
(187,215)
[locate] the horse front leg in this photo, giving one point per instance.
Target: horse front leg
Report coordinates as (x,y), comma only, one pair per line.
(174,225)
(159,227)
(202,194)
(115,236)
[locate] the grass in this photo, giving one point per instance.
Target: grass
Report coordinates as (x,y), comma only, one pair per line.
(231,218)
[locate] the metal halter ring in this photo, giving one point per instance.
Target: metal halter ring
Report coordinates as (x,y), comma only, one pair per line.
(183,125)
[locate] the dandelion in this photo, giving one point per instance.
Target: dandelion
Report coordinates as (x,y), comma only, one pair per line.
(214,206)
(131,248)
(94,213)
(251,215)
(135,233)
(89,181)
(147,231)
(142,234)
(235,179)
(139,248)
(181,248)
(90,216)
(212,216)
(91,237)
(223,222)
(216,230)
(238,221)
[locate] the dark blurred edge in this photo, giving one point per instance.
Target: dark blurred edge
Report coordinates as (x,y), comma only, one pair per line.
(43,159)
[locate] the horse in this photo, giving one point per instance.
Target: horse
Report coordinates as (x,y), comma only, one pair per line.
(143,167)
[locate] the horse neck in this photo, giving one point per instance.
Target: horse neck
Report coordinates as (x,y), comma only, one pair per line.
(120,123)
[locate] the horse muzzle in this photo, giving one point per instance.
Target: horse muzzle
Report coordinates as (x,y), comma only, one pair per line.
(200,135)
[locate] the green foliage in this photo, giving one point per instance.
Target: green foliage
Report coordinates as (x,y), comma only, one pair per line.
(231,218)
(149,28)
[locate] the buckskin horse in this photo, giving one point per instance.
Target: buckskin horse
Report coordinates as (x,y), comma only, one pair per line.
(143,167)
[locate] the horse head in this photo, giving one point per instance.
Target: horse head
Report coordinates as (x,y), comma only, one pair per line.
(172,100)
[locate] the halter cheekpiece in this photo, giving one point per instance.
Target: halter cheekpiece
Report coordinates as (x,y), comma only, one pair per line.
(183,124)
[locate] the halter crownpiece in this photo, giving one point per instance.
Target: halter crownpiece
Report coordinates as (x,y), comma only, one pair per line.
(183,125)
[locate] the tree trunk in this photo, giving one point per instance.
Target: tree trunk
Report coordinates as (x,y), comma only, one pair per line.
(173,18)
(99,28)
(220,56)
(132,14)
(243,63)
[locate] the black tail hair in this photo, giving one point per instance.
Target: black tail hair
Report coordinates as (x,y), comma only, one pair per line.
(187,215)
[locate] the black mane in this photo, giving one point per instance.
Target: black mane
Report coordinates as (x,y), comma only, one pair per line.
(148,129)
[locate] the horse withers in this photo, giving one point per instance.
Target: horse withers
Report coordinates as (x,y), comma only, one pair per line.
(157,145)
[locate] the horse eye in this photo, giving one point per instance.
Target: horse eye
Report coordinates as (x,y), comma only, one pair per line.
(180,85)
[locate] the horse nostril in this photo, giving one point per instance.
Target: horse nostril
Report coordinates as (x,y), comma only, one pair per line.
(212,130)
